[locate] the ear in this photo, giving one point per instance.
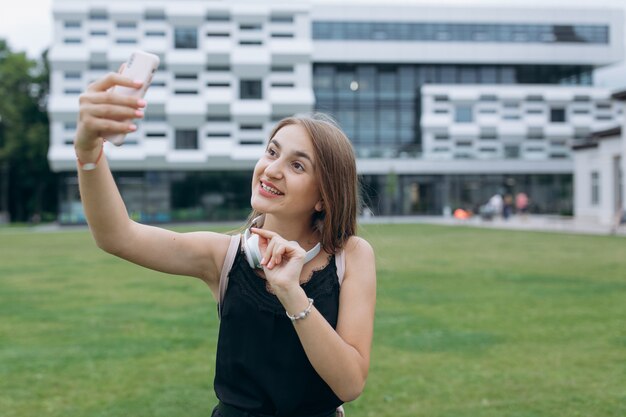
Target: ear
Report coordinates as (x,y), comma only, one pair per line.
(319,206)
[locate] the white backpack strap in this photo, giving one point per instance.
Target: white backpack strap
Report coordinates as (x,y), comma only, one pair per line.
(340,262)
(233,247)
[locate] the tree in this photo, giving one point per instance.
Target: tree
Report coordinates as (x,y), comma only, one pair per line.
(27,185)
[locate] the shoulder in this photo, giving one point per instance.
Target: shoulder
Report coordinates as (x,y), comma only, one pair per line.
(357,247)
(359,259)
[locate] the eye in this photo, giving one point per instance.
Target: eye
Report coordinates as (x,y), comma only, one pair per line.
(298,166)
(271,152)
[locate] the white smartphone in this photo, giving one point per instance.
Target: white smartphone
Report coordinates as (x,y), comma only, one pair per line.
(140,66)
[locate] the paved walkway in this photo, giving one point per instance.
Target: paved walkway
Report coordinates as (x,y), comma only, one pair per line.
(543,223)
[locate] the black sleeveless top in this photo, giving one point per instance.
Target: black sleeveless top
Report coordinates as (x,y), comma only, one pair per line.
(261,366)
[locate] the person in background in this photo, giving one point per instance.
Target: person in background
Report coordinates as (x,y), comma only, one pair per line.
(521,204)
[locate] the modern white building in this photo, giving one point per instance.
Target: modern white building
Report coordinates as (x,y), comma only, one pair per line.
(445,105)
(599,166)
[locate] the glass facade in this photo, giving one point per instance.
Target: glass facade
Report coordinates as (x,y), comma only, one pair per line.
(379,105)
(393,194)
(185,38)
(169,196)
(459,32)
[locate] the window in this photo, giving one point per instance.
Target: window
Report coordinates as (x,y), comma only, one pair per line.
(281,19)
(511,151)
(220,135)
(149,117)
(186,139)
(126,25)
(218,84)
(98,14)
(155,33)
(216,118)
(72,76)
(251,142)
(222,17)
(282,35)
(250,90)
(488,97)
(155,15)
(535,133)
(557,115)
(218,68)
(595,188)
(280,68)
(98,66)
(488,134)
(72,25)
(185,38)
(251,26)
(251,43)
(251,127)
(185,76)
(488,110)
(72,41)
(463,114)
(283,85)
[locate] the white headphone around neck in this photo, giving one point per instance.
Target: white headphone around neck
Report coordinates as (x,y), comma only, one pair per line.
(253,253)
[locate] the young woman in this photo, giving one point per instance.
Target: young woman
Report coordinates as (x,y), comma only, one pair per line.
(297,323)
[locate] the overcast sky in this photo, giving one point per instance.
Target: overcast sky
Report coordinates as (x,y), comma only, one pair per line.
(27,25)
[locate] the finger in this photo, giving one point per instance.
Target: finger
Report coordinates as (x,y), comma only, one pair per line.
(105,127)
(265,233)
(277,254)
(120,113)
(110,97)
(121,69)
(271,255)
(267,253)
(111,80)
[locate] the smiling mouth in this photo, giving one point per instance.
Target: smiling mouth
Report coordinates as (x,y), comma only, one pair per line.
(270,189)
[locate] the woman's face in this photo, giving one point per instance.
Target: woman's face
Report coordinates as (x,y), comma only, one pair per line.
(284,179)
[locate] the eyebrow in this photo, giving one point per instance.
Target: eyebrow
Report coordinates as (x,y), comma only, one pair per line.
(297,153)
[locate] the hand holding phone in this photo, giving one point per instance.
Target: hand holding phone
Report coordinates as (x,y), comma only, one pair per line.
(140,66)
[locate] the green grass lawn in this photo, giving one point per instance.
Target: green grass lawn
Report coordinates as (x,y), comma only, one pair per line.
(469,323)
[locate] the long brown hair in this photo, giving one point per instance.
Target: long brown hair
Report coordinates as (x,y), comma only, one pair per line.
(337,178)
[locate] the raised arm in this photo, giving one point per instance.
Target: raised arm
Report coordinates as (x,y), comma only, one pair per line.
(102,113)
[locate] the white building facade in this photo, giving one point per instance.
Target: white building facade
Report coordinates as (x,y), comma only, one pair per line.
(444,105)
(599,166)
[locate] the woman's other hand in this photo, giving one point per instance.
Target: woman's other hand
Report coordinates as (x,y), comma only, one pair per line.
(282,260)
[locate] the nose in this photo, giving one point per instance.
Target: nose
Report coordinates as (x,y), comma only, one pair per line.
(274,169)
